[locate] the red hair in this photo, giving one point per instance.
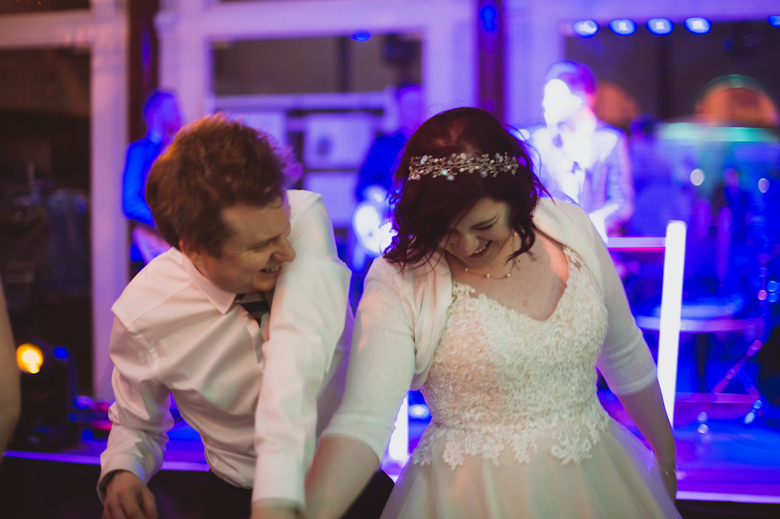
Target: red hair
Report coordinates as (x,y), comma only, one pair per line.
(211,165)
(426,209)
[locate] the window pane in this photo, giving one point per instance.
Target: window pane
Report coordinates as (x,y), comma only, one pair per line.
(44,193)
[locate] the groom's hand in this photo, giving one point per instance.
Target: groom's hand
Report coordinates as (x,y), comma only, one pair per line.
(128,498)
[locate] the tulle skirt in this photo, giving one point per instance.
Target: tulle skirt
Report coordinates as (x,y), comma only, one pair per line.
(619,481)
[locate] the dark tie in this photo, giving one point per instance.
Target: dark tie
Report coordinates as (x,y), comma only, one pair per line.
(254,304)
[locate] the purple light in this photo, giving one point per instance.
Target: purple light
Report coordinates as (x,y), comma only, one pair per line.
(659,26)
(585,28)
(623,27)
(489,16)
(698,25)
(361,36)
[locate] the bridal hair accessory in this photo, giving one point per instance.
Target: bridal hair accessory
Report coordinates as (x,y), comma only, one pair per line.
(450,166)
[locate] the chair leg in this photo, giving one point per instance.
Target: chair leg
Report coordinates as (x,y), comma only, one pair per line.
(737,369)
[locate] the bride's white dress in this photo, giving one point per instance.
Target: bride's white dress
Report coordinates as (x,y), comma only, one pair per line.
(517,428)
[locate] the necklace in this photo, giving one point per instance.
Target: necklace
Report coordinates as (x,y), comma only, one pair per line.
(488,276)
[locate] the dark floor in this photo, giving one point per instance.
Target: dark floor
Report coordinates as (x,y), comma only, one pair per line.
(34,489)
(727,469)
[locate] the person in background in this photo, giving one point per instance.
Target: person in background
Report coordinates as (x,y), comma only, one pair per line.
(582,158)
(244,321)
(499,304)
(383,157)
(369,230)
(10,392)
(738,237)
(730,193)
(661,196)
(163,120)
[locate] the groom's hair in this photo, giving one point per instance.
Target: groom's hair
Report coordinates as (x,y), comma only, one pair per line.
(212,164)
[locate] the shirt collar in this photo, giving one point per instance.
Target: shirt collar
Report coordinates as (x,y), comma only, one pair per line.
(221,299)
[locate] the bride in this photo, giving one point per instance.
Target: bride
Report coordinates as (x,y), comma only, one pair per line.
(499,305)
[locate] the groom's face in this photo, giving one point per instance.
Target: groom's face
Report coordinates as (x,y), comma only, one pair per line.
(253,255)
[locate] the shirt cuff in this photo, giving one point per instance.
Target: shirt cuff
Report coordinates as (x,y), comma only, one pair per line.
(115,463)
(279,476)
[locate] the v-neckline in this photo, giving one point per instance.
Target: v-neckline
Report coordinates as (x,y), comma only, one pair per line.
(566,253)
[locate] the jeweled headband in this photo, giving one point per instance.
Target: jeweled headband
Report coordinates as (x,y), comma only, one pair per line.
(455,164)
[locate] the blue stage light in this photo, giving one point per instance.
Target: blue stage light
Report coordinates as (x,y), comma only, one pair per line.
(61,352)
(698,25)
(623,27)
(361,36)
(489,16)
(659,26)
(585,28)
(774,21)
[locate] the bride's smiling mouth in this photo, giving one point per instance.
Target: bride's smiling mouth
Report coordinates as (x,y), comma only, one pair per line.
(480,250)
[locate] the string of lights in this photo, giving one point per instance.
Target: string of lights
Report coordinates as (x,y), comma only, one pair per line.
(659,26)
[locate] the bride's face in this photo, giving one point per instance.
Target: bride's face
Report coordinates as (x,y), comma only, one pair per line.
(481,235)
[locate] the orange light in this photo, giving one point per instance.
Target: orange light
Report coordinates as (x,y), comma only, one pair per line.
(29,358)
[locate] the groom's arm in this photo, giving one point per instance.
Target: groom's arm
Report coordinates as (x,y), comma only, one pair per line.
(307,319)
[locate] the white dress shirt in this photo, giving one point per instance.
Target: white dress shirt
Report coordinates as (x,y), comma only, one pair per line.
(403,315)
(595,172)
(250,389)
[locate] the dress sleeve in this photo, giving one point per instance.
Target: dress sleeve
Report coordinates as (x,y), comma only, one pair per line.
(307,320)
(134,186)
(625,359)
(381,365)
(140,415)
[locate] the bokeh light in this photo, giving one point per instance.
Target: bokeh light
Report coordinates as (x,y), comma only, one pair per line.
(697,177)
(698,25)
(361,36)
(659,26)
(586,28)
(623,27)
(29,358)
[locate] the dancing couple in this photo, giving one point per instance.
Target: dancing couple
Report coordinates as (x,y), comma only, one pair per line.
(497,302)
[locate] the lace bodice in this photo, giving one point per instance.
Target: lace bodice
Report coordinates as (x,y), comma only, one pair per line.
(500,379)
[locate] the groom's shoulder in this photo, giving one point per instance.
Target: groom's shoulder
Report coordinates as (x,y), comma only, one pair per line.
(156,285)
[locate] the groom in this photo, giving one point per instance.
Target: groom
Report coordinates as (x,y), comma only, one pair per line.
(244,322)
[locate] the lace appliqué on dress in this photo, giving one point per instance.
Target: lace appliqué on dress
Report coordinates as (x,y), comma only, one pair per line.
(500,379)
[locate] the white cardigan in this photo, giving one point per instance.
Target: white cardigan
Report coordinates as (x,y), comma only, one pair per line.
(402,315)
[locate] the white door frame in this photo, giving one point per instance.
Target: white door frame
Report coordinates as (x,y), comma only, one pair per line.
(186,30)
